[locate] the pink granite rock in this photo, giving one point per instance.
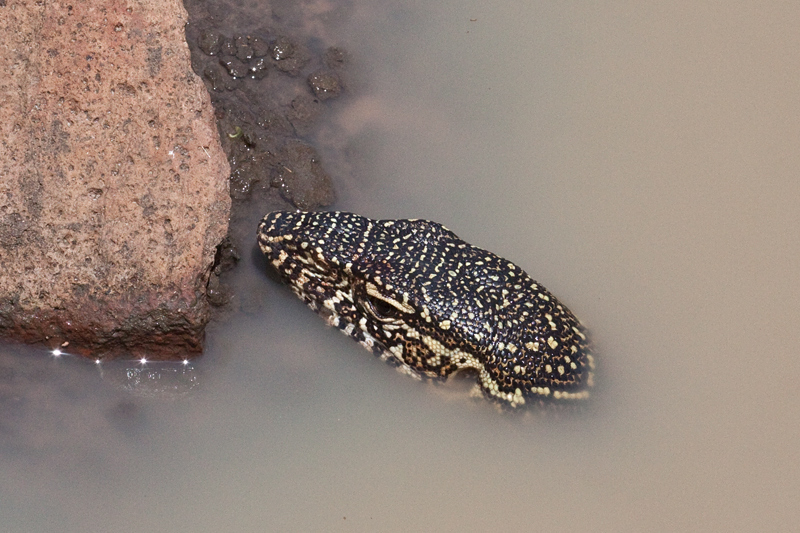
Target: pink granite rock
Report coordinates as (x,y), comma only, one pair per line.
(113,186)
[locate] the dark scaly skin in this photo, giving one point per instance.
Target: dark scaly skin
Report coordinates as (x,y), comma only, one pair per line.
(428,302)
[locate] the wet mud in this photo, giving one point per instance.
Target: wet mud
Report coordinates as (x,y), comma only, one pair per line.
(271,82)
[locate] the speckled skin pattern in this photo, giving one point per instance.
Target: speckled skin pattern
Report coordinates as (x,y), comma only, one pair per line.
(431,304)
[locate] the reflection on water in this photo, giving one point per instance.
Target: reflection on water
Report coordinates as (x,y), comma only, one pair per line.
(638,160)
(157,379)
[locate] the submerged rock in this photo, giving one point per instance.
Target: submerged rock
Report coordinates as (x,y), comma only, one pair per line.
(113,186)
(325,85)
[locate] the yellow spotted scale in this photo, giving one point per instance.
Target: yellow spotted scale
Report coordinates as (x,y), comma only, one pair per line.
(431,304)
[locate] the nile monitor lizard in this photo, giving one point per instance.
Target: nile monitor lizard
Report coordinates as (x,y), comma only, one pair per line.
(424,300)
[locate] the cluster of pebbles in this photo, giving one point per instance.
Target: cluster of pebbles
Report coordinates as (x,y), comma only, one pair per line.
(268,93)
(246,56)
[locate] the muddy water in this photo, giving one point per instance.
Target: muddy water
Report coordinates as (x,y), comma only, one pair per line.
(641,162)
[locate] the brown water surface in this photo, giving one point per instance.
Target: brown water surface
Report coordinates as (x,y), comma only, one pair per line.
(639,159)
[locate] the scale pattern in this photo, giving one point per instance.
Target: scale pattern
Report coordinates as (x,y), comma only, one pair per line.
(431,304)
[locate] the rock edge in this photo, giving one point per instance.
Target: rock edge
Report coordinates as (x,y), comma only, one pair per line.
(113,185)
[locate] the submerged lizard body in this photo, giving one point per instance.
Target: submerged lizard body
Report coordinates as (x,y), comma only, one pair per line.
(424,300)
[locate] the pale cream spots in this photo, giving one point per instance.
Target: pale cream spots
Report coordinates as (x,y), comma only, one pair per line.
(368,341)
(564,395)
(517,398)
(467,298)
(541,391)
(435,346)
(397,351)
(343,295)
(436,360)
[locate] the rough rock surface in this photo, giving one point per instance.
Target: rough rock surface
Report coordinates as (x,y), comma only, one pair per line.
(113,186)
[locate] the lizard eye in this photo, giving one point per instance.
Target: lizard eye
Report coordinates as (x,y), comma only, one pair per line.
(381,310)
